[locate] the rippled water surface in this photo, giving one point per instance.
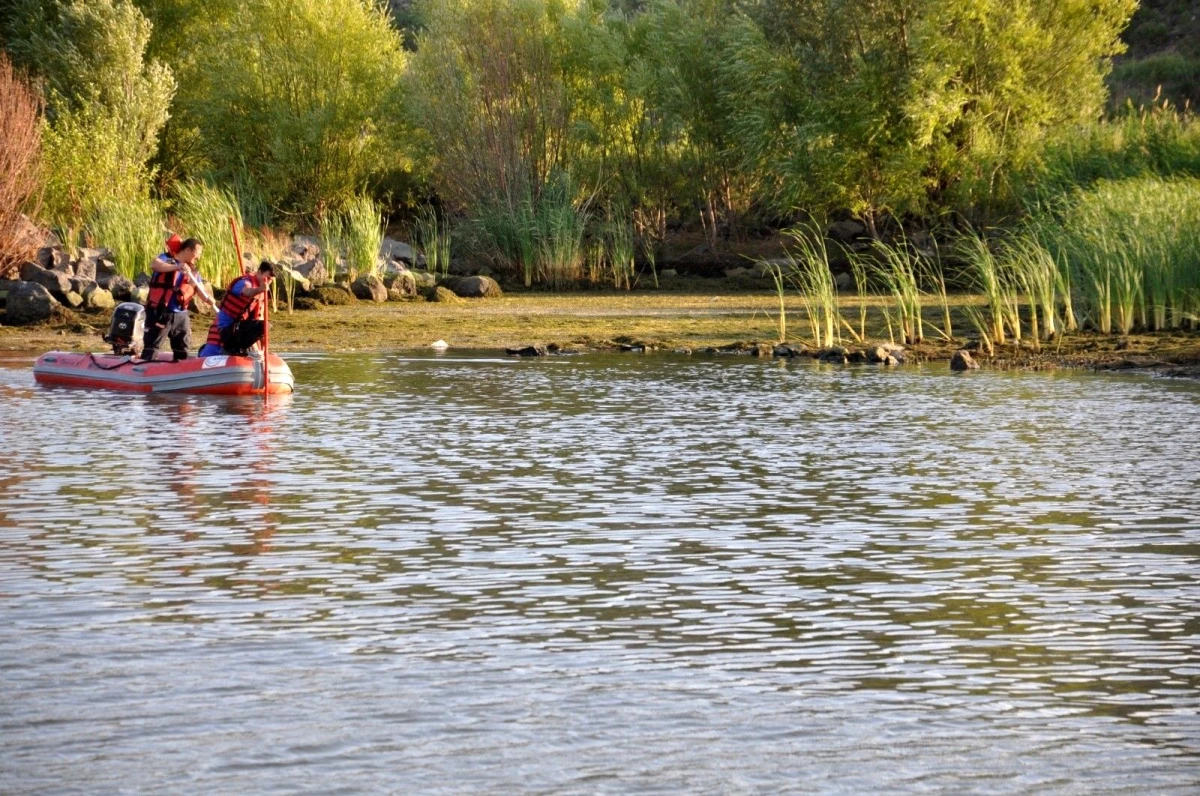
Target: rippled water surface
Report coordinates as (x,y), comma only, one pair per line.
(603,573)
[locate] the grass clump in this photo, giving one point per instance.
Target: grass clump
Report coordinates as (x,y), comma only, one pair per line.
(133,230)
(361,235)
(1133,249)
(432,236)
(204,212)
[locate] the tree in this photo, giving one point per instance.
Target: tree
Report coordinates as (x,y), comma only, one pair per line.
(301,103)
(105,103)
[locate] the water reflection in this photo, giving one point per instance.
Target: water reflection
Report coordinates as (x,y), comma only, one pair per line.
(599,572)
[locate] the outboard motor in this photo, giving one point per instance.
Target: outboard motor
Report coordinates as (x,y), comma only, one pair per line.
(126,330)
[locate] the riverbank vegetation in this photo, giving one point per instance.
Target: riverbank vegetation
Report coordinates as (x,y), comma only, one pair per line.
(978,145)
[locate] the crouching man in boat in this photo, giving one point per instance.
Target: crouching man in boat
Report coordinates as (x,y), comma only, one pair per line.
(173,284)
(239,323)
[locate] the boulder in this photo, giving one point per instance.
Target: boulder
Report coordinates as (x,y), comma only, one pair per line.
(787,350)
(424,280)
(393,249)
(444,294)
(141,280)
(120,287)
(527,351)
(668,273)
(79,285)
(306,247)
(87,264)
(843,281)
(140,294)
(735,273)
(962,361)
(882,353)
(835,353)
(5,286)
(404,282)
(57,282)
(369,287)
(314,271)
(846,231)
(54,258)
(477,287)
(28,302)
(73,300)
(97,298)
(333,296)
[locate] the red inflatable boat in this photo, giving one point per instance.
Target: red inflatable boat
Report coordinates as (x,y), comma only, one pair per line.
(219,375)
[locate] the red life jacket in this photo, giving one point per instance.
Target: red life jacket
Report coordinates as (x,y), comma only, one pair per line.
(240,308)
(163,285)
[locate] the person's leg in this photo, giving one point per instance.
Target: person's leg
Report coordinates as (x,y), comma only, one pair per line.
(181,335)
(156,332)
(238,338)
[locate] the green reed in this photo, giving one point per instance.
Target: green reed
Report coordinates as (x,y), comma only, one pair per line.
(432,237)
(1133,250)
(203,211)
(133,230)
(362,232)
(807,268)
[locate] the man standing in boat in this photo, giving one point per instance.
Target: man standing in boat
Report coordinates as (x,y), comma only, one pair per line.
(173,284)
(239,323)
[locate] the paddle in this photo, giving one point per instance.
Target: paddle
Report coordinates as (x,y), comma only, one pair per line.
(237,247)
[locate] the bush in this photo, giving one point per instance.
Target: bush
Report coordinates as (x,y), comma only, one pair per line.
(106,103)
(20,128)
(301,103)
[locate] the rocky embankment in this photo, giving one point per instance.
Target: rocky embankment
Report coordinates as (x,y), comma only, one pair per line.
(50,289)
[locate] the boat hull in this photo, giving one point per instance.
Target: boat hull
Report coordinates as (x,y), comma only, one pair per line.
(219,375)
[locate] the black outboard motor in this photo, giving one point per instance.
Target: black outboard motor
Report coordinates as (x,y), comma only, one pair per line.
(126,330)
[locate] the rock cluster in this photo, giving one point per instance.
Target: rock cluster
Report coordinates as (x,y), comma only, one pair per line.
(86,280)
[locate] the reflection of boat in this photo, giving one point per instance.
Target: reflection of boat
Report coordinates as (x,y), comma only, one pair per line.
(219,375)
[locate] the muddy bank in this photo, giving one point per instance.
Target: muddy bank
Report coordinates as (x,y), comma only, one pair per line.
(727,323)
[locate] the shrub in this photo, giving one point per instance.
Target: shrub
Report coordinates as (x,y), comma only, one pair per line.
(20,126)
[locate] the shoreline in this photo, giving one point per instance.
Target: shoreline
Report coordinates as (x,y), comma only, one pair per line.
(727,323)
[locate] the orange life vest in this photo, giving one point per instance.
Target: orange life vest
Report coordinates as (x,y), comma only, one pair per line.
(240,308)
(165,284)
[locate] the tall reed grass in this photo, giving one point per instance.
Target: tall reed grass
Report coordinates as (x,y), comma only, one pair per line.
(542,239)
(805,267)
(203,211)
(432,236)
(1133,252)
(133,230)
(362,230)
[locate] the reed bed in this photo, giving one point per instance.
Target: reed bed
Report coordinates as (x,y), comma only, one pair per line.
(362,231)
(542,239)
(432,236)
(203,212)
(1130,250)
(132,230)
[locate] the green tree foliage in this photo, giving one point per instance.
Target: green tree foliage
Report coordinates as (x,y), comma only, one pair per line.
(300,102)
(920,105)
(491,86)
(105,102)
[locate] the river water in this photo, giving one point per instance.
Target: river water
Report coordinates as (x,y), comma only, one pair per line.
(603,574)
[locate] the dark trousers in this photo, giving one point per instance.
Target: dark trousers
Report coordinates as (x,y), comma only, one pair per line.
(173,326)
(238,337)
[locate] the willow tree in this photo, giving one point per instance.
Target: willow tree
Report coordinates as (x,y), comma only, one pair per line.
(301,104)
(916,106)
(490,86)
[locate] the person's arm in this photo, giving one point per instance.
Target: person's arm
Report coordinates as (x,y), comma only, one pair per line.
(162,265)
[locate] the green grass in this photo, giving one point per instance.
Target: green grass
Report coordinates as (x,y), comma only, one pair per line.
(203,212)
(1133,248)
(432,236)
(132,230)
(362,229)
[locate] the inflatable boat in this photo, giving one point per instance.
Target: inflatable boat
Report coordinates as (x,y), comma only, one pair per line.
(217,375)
